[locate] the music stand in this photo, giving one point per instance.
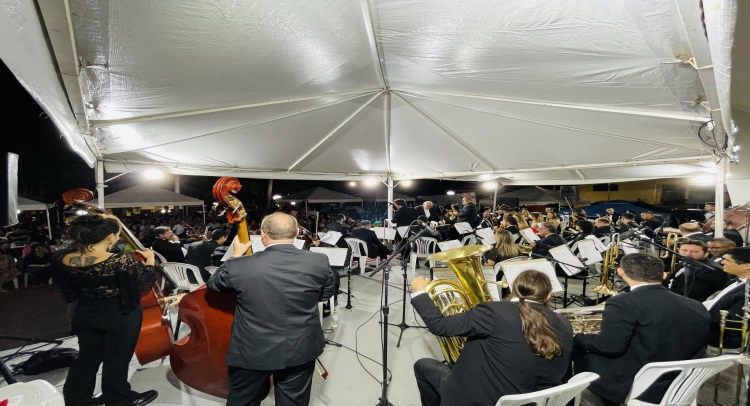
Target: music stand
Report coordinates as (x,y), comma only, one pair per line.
(403,326)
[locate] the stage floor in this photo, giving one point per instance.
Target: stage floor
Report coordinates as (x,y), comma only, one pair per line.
(348,384)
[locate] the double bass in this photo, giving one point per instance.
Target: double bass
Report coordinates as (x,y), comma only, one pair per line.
(199,359)
(155,337)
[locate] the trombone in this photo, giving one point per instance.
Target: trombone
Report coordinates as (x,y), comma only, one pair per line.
(605,286)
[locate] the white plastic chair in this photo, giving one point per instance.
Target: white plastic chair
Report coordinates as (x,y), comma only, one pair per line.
(178,271)
(359,251)
(684,388)
(160,257)
(34,393)
(470,239)
(320,309)
(211,269)
(422,248)
(558,396)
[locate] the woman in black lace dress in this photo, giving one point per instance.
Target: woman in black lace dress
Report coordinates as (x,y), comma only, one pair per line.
(107,319)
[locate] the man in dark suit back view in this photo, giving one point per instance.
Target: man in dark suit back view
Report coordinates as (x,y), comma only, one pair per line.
(647,324)
(375,248)
(284,339)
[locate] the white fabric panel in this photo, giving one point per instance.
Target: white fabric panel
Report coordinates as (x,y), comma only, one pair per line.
(25,204)
(164,56)
(721,20)
(571,51)
(148,195)
(24,51)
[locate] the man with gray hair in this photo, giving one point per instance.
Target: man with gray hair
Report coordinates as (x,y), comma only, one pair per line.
(549,239)
(276,331)
(647,324)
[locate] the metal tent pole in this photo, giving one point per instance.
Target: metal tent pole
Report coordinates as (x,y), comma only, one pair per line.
(721,180)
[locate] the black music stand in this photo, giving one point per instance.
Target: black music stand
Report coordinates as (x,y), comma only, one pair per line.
(403,326)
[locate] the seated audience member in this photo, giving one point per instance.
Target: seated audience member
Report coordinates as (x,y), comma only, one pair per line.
(7,250)
(168,245)
(513,347)
(8,270)
(647,324)
(602,227)
(699,272)
(736,262)
(38,264)
(693,231)
(17,235)
(375,248)
(549,239)
(200,255)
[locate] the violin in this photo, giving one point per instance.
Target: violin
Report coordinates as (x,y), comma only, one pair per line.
(306,235)
(155,338)
(195,232)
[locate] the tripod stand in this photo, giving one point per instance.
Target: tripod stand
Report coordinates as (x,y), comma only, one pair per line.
(406,254)
(385,309)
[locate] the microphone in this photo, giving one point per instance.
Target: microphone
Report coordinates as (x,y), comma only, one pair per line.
(430,229)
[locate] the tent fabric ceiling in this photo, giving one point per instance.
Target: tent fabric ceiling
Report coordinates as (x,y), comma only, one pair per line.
(25,204)
(320,195)
(148,196)
(526,92)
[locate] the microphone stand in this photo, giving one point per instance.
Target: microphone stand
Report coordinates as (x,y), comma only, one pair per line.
(385,309)
(403,326)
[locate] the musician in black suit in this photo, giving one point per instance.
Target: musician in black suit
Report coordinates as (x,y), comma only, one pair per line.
(549,239)
(403,216)
(469,213)
(699,271)
(168,245)
(200,255)
(284,339)
(585,228)
(732,298)
(647,324)
(338,225)
(428,210)
(694,232)
(513,347)
(648,221)
(612,215)
(375,248)
(729,232)
(602,227)
(628,222)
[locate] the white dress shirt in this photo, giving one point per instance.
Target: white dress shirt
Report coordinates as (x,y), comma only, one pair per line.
(711,302)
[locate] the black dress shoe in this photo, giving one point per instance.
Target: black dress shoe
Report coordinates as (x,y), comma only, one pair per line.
(145,398)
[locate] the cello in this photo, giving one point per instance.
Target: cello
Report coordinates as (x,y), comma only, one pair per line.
(155,337)
(199,359)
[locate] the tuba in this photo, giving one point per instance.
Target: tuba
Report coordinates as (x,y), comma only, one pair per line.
(453,297)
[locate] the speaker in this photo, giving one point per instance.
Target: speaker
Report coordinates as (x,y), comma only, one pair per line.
(569,192)
(8,189)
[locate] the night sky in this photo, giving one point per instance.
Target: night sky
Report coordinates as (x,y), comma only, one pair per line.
(48,167)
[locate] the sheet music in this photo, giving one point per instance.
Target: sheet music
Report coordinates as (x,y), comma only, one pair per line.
(230,251)
(563,254)
(331,237)
(529,235)
(597,243)
(448,245)
(489,274)
(384,233)
(258,245)
(464,228)
(487,235)
(629,248)
(299,243)
(511,270)
(336,256)
(402,231)
(588,250)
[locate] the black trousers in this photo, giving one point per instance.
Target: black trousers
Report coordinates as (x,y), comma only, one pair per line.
(379,250)
(431,375)
(291,386)
(108,337)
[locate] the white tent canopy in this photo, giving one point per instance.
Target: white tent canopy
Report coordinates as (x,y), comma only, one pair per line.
(603,91)
(25,204)
(320,195)
(148,196)
(528,196)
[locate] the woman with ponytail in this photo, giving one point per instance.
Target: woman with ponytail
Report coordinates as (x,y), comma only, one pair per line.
(107,320)
(513,347)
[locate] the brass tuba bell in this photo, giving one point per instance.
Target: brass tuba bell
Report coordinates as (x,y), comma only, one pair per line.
(453,297)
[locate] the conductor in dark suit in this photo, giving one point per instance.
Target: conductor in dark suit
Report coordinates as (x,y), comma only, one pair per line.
(549,239)
(375,248)
(498,358)
(276,330)
(647,324)
(403,216)
(168,245)
(428,210)
(469,213)
(732,298)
